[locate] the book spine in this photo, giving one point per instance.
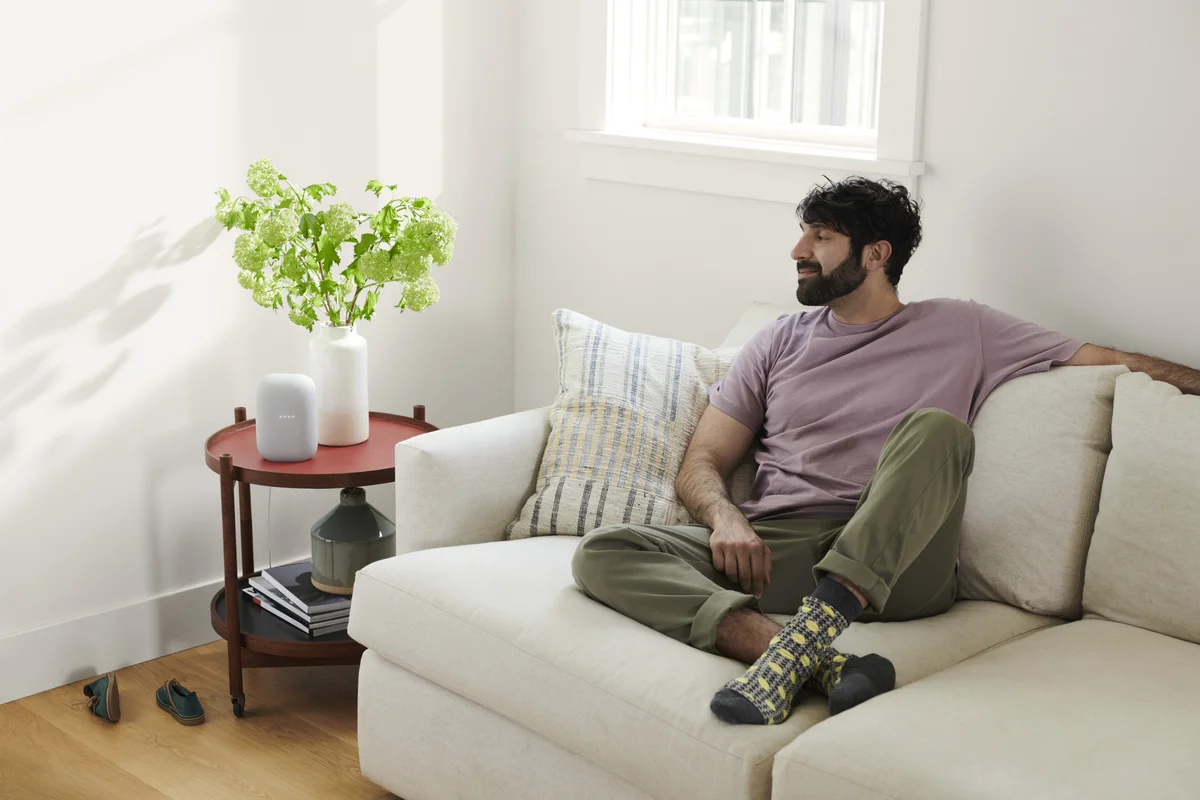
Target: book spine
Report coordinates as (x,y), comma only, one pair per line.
(283,590)
(289,620)
(279,600)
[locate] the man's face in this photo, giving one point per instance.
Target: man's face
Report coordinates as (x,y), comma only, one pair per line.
(825,267)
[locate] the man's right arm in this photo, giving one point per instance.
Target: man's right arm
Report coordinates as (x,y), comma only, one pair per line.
(717,447)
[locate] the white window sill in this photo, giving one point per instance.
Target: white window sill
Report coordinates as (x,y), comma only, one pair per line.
(746,168)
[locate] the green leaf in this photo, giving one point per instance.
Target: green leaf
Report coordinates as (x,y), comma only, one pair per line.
(353,271)
(374,186)
(327,251)
(384,223)
(328,286)
(364,243)
(310,226)
(250,213)
(369,303)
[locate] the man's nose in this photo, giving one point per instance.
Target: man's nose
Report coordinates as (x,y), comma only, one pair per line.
(802,252)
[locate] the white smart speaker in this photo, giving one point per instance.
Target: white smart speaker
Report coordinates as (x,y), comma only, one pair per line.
(286,425)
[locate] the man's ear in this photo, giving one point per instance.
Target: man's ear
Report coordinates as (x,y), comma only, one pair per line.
(876,255)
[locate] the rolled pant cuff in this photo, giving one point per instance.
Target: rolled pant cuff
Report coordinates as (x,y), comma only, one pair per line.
(871,585)
(704,626)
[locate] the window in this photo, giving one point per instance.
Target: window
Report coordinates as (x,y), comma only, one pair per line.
(799,70)
(750,98)
(791,68)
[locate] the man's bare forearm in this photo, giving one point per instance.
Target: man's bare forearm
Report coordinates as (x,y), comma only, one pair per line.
(1185,379)
(703,492)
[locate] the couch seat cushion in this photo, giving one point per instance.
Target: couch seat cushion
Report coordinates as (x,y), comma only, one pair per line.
(503,624)
(1092,709)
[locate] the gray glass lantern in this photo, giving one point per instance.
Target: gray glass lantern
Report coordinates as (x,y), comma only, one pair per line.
(348,538)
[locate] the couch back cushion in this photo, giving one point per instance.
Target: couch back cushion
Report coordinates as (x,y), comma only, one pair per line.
(1041,443)
(1144,564)
(626,410)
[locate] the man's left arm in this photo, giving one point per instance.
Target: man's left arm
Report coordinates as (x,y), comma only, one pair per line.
(1183,378)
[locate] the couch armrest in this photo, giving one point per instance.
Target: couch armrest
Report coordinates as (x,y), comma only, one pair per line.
(463,485)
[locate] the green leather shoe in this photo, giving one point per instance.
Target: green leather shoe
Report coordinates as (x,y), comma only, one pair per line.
(103,699)
(180,702)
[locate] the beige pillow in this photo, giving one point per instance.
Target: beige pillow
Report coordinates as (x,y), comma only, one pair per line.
(626,409)
(1041,442)
(1144,564)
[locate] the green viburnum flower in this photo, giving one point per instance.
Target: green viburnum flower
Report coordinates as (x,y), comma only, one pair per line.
(278,226)
(224,206)
(433,234)
(264,296)
(292,268)
(251,252)
(302,317)
(340,222)
(263,178)
(421,295)
(409,264)
(376,266)
(247,279)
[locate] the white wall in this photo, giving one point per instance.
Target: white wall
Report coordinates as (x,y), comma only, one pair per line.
(1062,162)
(124,338)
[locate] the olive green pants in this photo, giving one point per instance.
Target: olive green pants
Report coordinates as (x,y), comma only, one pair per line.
(900,547)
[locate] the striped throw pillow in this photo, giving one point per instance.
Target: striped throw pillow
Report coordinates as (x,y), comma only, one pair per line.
(626,409)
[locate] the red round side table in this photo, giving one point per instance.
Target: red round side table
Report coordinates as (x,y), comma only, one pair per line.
(256,638)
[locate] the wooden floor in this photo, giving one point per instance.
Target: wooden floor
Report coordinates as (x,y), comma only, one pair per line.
(298,738)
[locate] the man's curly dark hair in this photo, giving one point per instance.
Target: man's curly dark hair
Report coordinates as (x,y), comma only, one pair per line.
(867,211)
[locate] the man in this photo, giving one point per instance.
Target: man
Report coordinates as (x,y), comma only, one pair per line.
(861,412)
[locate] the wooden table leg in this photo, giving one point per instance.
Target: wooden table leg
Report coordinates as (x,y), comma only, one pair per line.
(247,524)
(233,621)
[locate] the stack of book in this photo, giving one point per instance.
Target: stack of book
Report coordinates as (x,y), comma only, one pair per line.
(288,593)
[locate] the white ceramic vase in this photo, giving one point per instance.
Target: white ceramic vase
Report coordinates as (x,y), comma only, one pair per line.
(337,360)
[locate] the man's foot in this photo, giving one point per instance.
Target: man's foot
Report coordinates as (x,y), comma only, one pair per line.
(850,680)
(764,694)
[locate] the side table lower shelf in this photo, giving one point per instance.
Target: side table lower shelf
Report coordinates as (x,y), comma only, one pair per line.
(267,641)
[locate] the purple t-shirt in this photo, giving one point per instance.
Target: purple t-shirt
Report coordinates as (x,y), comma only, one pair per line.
(822,396)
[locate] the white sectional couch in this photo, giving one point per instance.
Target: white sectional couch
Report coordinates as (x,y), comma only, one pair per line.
(489,674)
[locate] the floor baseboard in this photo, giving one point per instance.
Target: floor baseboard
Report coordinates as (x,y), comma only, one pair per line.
(65,652)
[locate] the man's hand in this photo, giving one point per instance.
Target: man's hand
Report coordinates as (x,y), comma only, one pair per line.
(741,553)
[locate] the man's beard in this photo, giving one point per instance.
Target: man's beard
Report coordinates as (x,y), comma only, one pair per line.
(821,289)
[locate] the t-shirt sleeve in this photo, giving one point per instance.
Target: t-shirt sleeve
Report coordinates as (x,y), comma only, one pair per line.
(1013,347)
(742,393)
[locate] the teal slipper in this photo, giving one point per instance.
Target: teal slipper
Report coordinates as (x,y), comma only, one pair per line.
(180,702)
(103,700)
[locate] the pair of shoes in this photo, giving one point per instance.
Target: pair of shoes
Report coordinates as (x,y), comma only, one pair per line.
(103,699)
(180,702)
(105,702)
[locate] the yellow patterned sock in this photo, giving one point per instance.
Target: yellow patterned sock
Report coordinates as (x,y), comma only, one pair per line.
(763,695)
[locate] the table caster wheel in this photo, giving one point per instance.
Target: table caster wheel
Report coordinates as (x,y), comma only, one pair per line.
(239,705)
